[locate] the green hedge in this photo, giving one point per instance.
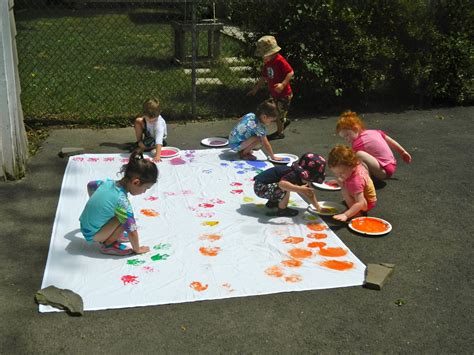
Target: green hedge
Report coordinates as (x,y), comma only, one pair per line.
(414,50)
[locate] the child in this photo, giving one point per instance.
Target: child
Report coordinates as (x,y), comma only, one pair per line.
(371,146)
(150,129)
(277,73)
(275,184)
(251,131)
(356,185)
(108,217)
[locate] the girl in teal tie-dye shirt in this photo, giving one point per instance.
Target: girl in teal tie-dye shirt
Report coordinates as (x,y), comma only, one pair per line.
(108,216)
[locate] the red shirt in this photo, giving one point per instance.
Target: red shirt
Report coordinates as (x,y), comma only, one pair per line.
(274,72)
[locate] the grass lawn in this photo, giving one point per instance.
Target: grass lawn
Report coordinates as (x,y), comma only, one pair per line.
(96,67)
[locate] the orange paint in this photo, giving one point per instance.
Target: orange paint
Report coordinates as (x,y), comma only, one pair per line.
(316,226)
(332,252)
(316,245)
(293,240)
(210,223)
(149,212)
(337,265)
(209,251)
(274,271)
(292,263)
(300,253)
(317,235)
(210,237)
(197,286)
(293,278)
(370,225)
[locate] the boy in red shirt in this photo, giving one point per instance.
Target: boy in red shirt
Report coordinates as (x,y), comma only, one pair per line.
(277,73)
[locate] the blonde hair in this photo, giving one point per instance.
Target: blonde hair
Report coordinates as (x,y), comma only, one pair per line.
(350,120)
(342,155)
(151,107)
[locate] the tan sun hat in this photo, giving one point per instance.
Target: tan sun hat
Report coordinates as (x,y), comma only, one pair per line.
(267,45)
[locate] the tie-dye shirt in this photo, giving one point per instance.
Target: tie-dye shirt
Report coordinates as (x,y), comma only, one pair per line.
(247,127)
(108,200)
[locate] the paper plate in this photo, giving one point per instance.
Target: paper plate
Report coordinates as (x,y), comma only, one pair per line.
(370,226)
(325,186)
(169,152)
(287,158)
(328,208)
(215,142)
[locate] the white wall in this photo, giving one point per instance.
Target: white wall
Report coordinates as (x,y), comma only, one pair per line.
(13,142)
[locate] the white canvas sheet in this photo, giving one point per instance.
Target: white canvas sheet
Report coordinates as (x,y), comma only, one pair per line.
(210,238)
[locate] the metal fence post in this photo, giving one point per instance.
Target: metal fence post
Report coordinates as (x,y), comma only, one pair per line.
(193,60)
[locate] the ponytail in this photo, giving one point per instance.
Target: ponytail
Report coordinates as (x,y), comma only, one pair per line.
(141,168)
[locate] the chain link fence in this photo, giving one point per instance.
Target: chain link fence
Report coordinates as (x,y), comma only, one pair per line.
(95,62)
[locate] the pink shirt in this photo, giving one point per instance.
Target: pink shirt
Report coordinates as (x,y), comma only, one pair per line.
(373,142)
(360,181)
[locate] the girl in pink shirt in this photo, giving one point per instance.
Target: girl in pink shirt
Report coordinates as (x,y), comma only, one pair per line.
(372,147)
(356,185)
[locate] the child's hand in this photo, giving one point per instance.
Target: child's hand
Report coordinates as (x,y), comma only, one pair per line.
(406,157)
(279,87)
(340,217)
(142,250)
(157,159)
(307,191)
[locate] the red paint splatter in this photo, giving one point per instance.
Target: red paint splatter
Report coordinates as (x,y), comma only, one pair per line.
(292,263)
(197,286)
(330,183)
(210,251)
(235,192)
(206,205)
(337,265)
(149,212)
(151,198)
(129,279)
(293,240)
(235,184)
(334,252)
(167,152)
(148,269)
(316,226)
(317,235)
(300,253)
(274,271)
(316,245)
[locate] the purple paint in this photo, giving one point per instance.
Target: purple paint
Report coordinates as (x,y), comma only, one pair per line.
(177,161)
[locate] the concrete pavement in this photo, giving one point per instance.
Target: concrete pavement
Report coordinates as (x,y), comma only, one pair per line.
(424,307)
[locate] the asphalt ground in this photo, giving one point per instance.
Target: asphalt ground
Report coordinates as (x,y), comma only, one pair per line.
(424,308)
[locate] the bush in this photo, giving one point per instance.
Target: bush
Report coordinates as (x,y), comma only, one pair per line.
(352,50)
